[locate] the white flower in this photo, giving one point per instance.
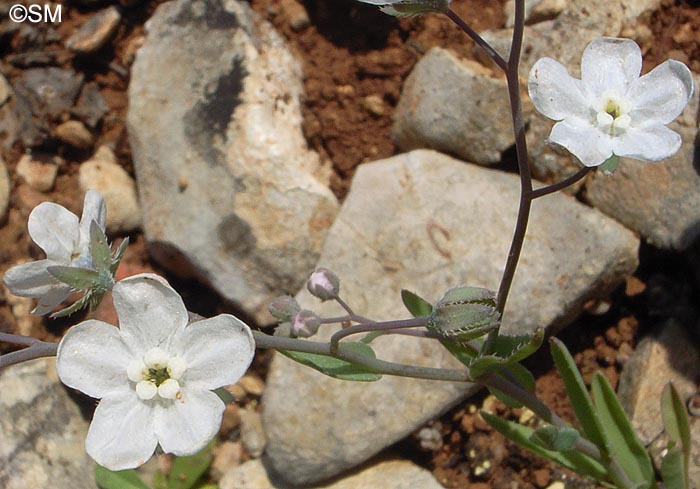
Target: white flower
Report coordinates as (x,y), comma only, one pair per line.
(611,110)
(66,242)
(154,375)
(408,8)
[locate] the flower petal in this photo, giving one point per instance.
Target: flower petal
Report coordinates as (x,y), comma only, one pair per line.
(610,65)
(31,279)
(122,434)
(56,230)
(184,426)
(590,145)
(555,93)
(216,351)
(51,299)
(661,95)
(93,358)
(94,209)
(648,144)
(150,312)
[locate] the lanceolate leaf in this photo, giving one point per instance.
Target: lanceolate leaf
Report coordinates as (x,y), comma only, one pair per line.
(77,278)
(559,439)
(580,400)
(335,367)
(624,445)
(674,471)
(571,459)
(675,419)
(125,479)
(415,304)
(99,248)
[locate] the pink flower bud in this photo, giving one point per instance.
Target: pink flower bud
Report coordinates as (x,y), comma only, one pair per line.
(305,324)
(323,284)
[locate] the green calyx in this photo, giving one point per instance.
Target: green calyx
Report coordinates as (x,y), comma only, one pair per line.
(465,313)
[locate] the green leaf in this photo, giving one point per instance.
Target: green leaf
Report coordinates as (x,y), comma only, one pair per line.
(624,445)
(225,395)
(335,367)
(118,255)
(99,248)
(506,350)
(186,471)
(674,471)
(573,460)
(415,304)
(519,374)
(124,479)
(676,422)
(556,438)
(77,278)
(370,337)
(580,400)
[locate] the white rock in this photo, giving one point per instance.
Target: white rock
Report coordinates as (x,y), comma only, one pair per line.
(39,171)
(102,173)
(42,431)
(535,10)
(432,222)
(5,187)
(438,109)
(229,189)
(391,474)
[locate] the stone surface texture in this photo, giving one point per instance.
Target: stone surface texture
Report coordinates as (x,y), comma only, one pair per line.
(438,109)
(43,432)
(432,222)
(230,192)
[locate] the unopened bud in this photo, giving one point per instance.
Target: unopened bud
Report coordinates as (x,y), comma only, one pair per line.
(284,329)
(284,307)
(465,313)
(305,324)
(323,284)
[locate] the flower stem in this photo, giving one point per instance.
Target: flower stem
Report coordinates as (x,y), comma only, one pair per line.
(549,189)
(36,349)
(477,39)
(374,326)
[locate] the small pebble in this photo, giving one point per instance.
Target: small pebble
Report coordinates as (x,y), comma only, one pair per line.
(39,171)
(374,104)
(297,15)
(94,33)
(252,434)
(74,133)
(252,384)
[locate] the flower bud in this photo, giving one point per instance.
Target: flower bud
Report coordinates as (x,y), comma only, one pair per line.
(323,284)
(284,307)
(305,324)
(465,313)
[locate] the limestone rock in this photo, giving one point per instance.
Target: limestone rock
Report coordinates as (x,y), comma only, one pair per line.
(229,190)
(43,432)
(438,109)
(94,33)
(5,187)
(38,170)
(74,133)
(389,474)
(102,173)
(668,356)
(432,222)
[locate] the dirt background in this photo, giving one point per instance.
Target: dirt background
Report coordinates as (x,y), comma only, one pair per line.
(355,60)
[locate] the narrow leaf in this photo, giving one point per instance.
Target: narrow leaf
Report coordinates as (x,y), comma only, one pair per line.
(77,278)
(99,248)
(580,400)
(124,479)
(118,255)
(335,367)
(557,438)
(625,447)
(506,350)
(186,471)
(674,472)
(415,304)
(515,372)
(676,422)
(573,460)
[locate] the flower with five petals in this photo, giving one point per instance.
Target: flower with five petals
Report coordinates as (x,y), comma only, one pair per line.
(612,111)
(154,375)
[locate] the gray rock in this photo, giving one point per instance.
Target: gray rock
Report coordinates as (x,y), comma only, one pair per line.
(660,201)
(670,356)
(43,432)
(438,110)
(5,187)
(432,222)
(229,190)
(103,173)
(389,474)
(94,33)
(91,105)
(252,434)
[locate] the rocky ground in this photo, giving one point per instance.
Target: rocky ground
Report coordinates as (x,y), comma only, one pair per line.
(276,111)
